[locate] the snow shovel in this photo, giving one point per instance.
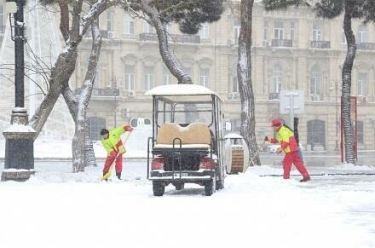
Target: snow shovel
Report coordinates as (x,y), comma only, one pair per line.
(256,153)
(108,174)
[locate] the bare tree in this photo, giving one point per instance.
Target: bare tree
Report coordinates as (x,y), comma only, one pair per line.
(72,31)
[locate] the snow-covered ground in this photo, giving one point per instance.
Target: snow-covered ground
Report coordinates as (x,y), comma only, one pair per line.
(58,209)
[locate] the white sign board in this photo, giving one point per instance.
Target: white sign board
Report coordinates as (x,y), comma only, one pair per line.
(295,99)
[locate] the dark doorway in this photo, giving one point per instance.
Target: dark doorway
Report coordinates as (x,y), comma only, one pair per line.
(316,135)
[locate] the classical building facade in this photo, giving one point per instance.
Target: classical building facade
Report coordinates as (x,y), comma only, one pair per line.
(292,51)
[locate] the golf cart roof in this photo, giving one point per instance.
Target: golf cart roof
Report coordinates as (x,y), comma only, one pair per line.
(181,90)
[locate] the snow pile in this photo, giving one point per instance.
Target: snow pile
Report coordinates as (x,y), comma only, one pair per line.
(66,210)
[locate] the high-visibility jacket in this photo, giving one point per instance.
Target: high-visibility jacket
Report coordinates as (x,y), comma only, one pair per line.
(114,142)
(285,137)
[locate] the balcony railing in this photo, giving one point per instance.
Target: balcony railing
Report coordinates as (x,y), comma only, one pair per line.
(366,46)
(282,43)
(101,92)
(182,38)
(320,44)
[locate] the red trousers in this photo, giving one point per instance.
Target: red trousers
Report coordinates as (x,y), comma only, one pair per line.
(293,158)
(118,163)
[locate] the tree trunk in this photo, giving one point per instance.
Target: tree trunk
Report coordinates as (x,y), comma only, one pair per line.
(82,148)
(346,84)
(245,83)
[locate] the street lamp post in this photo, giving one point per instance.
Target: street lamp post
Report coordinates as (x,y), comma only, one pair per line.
(19,144)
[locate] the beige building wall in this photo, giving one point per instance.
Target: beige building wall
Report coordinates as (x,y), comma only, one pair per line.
(291,51)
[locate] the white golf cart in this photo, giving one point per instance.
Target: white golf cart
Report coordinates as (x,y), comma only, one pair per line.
(187,143)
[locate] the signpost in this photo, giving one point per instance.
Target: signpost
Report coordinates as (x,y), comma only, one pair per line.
(292,102)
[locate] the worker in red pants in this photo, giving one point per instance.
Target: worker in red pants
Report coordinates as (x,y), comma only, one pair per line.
(112,143)
(288,145)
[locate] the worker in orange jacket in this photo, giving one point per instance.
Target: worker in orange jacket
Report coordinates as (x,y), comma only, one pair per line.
(112,143)
(288,145)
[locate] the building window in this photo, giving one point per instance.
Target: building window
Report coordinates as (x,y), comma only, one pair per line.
(109,21)
(362,34)
(167,76)
(317,32)
(205,72)
(315,83)
(279,30)
(128,24)
(343,38)
(129,78)
(362,84)
(265,31)
(148,28)
(149,77)
(97,76)
(277,79)
(204,32)
(293,31)
(234,85)
(236,31)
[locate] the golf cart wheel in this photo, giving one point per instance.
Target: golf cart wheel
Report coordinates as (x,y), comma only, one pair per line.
(158,188)
(179,186)
(219,184)
(209,187)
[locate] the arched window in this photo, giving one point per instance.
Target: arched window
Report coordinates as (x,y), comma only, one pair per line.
(129,77)
(277,79)
(204,76)
(149,77)
(315,83)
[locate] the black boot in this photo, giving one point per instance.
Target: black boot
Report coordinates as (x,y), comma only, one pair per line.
(118,175)
(305,179)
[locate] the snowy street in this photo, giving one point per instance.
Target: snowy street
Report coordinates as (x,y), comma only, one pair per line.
(56,208)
